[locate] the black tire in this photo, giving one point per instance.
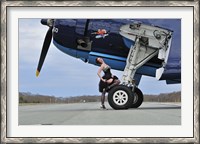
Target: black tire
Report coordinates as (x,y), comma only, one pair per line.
(138,98)
(120,97)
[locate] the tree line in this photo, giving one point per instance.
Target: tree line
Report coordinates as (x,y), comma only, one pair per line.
(164,97)
(27,97)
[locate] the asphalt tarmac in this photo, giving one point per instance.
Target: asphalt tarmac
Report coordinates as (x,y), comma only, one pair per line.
(91,114)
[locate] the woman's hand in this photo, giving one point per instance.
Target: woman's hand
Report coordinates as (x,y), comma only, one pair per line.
(104,80)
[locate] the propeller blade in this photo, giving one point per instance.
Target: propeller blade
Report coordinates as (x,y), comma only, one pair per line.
(45,48)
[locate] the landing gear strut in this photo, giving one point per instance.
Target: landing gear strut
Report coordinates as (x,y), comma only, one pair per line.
(148,41)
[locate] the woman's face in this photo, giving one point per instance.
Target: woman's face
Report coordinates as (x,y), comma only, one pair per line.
(100,60)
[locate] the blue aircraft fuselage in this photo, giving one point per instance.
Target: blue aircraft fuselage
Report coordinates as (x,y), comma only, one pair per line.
(114,48)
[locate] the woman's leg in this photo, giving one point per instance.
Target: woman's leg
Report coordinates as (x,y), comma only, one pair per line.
(103,95)
(113,82)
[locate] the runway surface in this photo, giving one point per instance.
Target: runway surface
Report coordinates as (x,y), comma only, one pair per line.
(91,114)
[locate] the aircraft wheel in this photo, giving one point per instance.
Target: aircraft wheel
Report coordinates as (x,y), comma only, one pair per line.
(138,98)
(120,97)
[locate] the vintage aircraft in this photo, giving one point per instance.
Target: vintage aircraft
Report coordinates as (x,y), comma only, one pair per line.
(150,47)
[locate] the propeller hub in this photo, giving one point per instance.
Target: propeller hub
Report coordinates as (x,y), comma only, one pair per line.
(48,22)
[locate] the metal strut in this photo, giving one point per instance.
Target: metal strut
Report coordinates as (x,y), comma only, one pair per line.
(148,41)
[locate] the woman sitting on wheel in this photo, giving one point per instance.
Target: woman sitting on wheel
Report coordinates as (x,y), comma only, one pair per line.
(107,81)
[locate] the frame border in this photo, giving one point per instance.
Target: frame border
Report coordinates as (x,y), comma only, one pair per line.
(25,3)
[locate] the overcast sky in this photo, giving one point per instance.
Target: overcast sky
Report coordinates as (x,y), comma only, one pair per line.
(61,74)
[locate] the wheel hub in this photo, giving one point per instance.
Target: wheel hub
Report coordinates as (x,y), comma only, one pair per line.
(120,97)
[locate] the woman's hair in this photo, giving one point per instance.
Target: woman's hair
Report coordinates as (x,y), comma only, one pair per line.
(97,61)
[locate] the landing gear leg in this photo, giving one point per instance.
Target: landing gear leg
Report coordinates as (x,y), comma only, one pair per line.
(149,42)
(126,95)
